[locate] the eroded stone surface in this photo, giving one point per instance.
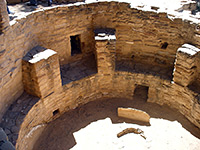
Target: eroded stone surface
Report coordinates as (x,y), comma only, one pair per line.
(134,114)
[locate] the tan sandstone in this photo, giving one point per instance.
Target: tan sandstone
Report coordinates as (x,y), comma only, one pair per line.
(134,114)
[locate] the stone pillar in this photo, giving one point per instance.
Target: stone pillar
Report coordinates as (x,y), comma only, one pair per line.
(4,18)
(185,71)
(41,72)
(105,53)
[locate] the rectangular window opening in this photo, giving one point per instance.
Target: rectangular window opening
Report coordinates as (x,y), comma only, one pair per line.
(75,45)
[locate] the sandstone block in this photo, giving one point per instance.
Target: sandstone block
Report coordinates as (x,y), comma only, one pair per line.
(41,73)
(134,114)
(185,71)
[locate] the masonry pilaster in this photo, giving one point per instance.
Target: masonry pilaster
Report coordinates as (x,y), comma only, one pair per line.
(41,72)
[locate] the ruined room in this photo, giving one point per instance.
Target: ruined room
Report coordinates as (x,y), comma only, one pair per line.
(96,74)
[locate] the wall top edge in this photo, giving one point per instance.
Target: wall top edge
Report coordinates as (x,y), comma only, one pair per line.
(134,5)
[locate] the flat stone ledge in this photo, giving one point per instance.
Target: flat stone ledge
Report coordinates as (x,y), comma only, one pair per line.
(104,34)
(104,37)
(189,49)
(37,54)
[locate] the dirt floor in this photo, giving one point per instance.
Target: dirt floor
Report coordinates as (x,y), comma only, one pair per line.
(95,126)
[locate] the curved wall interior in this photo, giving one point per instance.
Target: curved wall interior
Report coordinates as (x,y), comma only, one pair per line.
(142,39)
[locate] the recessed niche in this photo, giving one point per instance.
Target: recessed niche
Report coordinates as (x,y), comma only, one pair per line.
(164,45)
(55,112)
(75,45)
(141,92)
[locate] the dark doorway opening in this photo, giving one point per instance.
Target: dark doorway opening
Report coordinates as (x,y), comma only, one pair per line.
(75,45)
(141,92)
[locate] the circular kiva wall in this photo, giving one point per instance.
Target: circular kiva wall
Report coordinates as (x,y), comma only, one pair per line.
(141,50)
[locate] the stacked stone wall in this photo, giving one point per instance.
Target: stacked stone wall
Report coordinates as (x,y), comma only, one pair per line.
(107,86)
(4,20)
(141,37)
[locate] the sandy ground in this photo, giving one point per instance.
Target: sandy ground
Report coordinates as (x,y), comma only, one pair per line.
(96,125)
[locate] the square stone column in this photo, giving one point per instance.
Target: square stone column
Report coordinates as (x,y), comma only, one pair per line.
(105,53)
(41,72)
(185,71)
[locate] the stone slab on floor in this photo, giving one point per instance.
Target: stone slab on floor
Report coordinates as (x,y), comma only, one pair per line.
(133,114)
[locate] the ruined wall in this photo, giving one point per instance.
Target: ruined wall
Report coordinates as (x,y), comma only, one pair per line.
(107,83)
(38,29)
(4,19)
(99,86)
(139,38)
(151,38)
(10,81)
(52,29)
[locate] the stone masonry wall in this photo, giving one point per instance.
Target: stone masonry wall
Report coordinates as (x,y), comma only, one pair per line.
(41,72)
(140,37)
(107,85)
(185,71)
(4,19)
(52,29)
(151,38)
